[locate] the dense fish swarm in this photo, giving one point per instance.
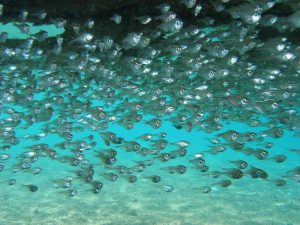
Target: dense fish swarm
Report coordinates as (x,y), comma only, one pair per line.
(172,65)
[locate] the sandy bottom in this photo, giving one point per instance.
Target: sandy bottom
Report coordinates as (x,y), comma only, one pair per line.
(247,201)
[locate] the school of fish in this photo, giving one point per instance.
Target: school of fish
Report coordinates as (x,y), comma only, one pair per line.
(196,74)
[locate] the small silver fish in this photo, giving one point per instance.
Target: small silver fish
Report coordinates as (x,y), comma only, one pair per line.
(144,19)
(4,156)
(165,7)
(166,17)
(59,22)
(172,26)
(116,18)
(41,15)
(23,27)
(189,3)
(131,40)
(198,155)
(3,37)
(89,23)
(41,36)
(82,39)
(167,188)
(23,15)
(197,9)
(182,144)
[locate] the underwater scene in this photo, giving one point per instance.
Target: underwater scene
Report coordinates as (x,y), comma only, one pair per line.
(145,112)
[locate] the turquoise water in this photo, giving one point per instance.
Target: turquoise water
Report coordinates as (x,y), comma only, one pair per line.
(246,201)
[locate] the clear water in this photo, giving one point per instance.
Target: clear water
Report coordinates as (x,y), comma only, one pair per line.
(246,201)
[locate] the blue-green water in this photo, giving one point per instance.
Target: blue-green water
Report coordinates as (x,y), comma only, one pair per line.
(248,200)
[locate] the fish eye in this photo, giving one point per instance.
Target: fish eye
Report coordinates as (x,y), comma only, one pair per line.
(258,173)
(273,19)
(280,47)
(279,133)
(132,179)
(166,156)
(112,136)
(198,116)
(158,122)
(250,73)
(98,185)
(183,118)
(189,126)
(209,95)
(75,162)
(225,34)
(244,101)
(234,136)
(26,165)
(221,149)
(233,59)
(255,17)
(252,135)
(178,23)
(80,173)
(195,31)
(83,144)
(183,152)
(138,106)
(72,193)
(270,4)
(274,105)
(137,146)
(130,125)
(156,179)
(112,160)
(225,72)
(171,108)
(257,8)
(201,161)
(263,154)
(211,74)
(122,169)
(216,119)
(67,184)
